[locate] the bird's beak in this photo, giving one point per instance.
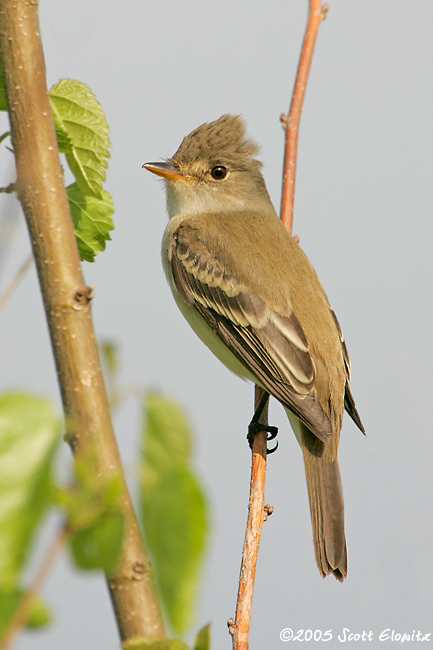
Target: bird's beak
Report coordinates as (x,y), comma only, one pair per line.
(164,169)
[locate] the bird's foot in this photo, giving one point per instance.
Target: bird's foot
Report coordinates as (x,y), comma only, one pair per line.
(255,427)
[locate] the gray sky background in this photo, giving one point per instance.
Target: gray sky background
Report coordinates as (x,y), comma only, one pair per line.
(363,212)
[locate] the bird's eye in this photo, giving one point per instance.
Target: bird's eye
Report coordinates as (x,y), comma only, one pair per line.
(219,172)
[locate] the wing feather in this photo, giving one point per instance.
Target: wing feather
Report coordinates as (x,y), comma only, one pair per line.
(349,402)
(271,345)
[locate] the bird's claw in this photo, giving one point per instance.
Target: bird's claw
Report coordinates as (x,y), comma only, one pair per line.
(255,427)
(273,432)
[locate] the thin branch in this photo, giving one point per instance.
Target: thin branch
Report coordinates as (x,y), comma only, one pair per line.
(9,189)
(316,14)
(15,281)
(240,628)
(67,301)
(22,612)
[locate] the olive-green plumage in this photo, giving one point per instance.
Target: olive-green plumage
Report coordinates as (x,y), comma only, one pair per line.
(250,293)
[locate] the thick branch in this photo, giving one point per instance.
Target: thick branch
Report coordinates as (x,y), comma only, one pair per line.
(291,123)
(67,299)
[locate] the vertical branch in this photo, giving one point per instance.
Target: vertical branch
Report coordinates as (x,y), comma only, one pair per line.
(256,515)
(67,300)
(316,14)
(239,628)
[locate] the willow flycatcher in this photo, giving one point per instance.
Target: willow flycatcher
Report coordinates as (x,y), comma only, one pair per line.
(249,292)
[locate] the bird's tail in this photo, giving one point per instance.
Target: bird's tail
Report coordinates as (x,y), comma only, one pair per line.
(325,494)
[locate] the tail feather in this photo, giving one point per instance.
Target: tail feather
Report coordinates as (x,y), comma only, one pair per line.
(327,514)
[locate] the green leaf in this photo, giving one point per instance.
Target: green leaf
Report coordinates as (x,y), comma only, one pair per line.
(110,355)
(92,220)
(95,516)
(4,135)
(173,508)
(39,614)
(82,133)
(29,433)
(202,640)
(98,546)
(153,644)
(64,142)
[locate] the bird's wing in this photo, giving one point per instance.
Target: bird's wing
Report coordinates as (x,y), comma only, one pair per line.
(272,346)
(349,402)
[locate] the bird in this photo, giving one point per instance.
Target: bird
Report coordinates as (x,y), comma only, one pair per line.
(249,292)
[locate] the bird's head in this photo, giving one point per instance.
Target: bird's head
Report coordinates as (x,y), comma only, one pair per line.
(214,169)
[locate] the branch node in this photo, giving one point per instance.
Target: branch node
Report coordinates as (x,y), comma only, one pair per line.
(296,238)
(283,120)
(139,570)
(82,297)
(231,625)
(268,510)
(324,11)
